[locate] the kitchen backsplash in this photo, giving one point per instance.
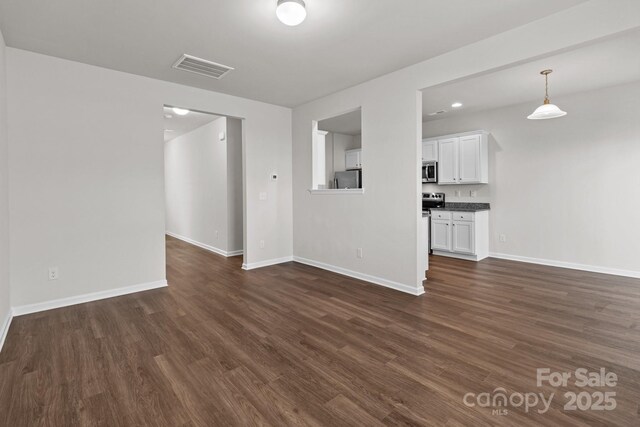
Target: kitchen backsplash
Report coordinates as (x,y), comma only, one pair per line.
(482,192)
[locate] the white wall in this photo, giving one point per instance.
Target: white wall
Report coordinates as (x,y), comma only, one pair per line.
(234,184)
(196,185)
(385,220)
(86,173)
(4,197)
(565,189)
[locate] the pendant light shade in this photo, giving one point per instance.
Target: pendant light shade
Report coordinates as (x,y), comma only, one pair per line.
(547,110)
(291,12)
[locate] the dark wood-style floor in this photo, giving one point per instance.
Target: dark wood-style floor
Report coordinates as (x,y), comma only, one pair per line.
(294,345)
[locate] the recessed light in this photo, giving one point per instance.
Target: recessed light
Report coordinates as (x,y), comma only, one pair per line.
(169,130)
(291,12)
(456,105)
(168,116)
(180,111)
(435,113)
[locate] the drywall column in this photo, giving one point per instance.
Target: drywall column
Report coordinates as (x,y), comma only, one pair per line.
(234,186)
(5,310)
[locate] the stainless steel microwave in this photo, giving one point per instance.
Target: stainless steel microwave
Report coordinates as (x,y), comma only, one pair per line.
(430,171)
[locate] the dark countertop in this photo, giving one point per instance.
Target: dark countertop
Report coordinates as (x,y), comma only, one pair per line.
(463,207)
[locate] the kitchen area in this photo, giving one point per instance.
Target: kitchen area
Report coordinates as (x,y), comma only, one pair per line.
(337,152)
(457,229)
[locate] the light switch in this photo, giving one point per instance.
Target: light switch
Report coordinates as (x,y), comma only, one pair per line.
(263,195)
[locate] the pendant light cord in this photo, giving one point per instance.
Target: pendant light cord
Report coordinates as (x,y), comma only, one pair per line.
(546,88)
(546,73)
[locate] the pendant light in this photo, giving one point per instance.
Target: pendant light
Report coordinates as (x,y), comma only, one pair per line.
(547,110)
(291,12)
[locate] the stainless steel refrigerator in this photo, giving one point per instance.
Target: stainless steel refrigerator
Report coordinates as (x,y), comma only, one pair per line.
(348,179)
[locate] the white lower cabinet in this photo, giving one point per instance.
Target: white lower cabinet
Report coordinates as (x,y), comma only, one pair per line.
(460,234)
(441,235)
(462,237)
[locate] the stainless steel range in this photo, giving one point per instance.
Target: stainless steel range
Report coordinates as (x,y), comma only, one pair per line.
(432,200)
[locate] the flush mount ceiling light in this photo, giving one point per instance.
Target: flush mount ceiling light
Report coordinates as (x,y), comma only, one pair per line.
(180,111)
(456,105)
(547,110)
(291,12)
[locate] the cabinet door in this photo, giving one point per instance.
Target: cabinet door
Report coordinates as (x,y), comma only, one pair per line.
(429,151)
(352,159)
(469,168)
(448,161)
(463,236)
(441,235)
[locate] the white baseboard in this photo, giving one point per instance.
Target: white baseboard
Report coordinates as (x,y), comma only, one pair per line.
(475,258)
(205,246)
(365,277)
(4,329)
(79,299)
(266,263)
(571,265)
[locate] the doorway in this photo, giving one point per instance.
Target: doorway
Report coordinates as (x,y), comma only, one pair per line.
(203,179)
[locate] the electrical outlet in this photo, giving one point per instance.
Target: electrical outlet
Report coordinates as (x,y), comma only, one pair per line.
(473,193)
(263,195)
(53,273)
(503,238)
(261,244)
(217,235)
(359,253)
(458,194)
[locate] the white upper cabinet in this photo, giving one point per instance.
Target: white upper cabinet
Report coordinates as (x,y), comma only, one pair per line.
(353,159)
(462,158)
(429,151)
(469,169)
(448,161)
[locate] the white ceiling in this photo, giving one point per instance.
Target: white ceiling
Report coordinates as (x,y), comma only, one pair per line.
(342,42)
(347,124)
(606,63)
(184,124)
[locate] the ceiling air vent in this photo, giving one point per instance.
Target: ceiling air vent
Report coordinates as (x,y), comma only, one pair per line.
(201,66)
